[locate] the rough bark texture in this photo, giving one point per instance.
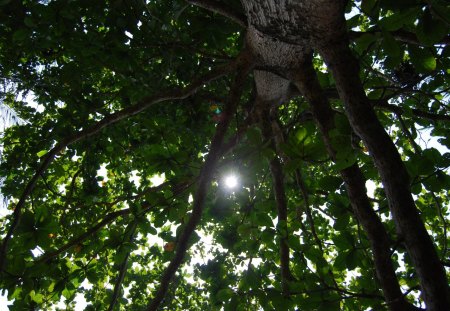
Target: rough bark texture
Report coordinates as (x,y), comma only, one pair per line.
(331,42)
(280,35)
(308,84)
(276,170)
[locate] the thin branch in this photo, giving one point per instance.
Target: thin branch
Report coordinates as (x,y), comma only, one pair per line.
(108,219)
(384,104)
(221,9)
(279,191)
(400,35)
(444,223)
(408,134)
(417,112)
(145,103)
(307,82)
(206,176)
(122,270)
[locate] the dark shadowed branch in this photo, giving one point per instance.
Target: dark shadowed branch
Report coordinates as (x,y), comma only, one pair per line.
(383,104)
(280,197)
(222,9)
(75,241)
(206,176)
(400,35)
(307,82)
(174,94)
(122,269)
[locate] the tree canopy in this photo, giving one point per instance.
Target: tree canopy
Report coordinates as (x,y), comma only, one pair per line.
(135,112)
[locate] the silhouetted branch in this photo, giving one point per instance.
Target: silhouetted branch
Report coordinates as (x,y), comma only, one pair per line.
(206,176)
(122,270)
(383,104)
(222,9)
(174,94)
(400,35)
(108,219)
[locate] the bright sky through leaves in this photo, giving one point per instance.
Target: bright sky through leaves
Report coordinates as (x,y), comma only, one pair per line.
(231,181)
(224,155)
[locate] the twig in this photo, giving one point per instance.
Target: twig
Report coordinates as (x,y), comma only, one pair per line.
(222,9)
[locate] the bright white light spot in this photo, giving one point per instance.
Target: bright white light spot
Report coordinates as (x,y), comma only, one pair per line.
(157,179)
(231,181)
(37,251)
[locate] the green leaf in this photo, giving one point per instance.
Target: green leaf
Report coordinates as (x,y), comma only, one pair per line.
(330,183)
(21,35)
(398,20)
(224,294)
(422,59)
(364,42)
(352,260)
(392,48)
(431,30)
(263,219)
(368,6)
(38,298)
(42,153)
(254,136)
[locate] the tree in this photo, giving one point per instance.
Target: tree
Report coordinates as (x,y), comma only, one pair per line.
(304,105)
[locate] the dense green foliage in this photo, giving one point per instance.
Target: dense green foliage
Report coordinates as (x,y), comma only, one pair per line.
(95,211)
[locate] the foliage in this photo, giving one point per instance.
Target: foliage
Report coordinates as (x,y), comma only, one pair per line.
(95,212)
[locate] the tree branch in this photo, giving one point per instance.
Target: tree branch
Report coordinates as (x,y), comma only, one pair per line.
(145,207)
(307,82)
(206,176)
(400,35)
(333,46)
(221,9)
(122,270)
(106,220)
(383,104)
(145,103)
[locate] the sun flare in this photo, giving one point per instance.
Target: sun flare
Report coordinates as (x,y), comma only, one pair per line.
(231,181)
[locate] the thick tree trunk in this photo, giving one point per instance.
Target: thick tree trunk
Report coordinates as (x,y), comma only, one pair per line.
(328,25)
(307,82)
(281,35)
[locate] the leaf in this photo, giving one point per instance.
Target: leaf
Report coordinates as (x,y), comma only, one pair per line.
(330,183)
(368,6)
(262,219)
(363,42)
(254,136)
(422,59)
(398,20)
(38,298)
(392,48)
(224,294)
(42,153)
(352,260)
(431,30)
(20,35)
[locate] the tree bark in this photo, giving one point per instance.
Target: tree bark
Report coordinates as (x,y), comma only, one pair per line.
(281,35)
(276,171)
(205,179)
(306,80)
(331,41)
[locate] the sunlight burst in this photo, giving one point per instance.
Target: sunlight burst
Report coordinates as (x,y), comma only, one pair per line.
(231,181)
